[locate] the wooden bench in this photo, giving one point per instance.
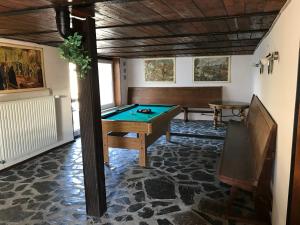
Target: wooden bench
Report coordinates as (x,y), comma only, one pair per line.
(186,97)
(246,161)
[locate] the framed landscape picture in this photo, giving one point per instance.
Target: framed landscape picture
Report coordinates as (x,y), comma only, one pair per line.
(216,68)
(160,70)
(21,68)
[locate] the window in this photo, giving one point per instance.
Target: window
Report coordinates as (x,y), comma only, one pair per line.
(105,71)
(74,98)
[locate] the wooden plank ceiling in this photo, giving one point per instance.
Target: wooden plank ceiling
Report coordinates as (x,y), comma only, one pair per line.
(148,28)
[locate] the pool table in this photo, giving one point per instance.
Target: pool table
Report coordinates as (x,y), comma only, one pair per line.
(147,127)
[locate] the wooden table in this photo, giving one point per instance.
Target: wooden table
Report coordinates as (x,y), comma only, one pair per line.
(148,128)
(218,106)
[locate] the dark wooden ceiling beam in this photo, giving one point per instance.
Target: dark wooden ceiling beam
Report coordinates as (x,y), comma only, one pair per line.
(51,6)
(186,49)
(183,35)
(29,33)
(239,52)
(192,20)
(182,43)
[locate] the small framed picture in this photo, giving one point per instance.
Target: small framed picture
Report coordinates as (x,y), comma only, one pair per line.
(160,70)
(208,69)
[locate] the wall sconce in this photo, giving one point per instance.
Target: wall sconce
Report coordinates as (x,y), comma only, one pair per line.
(268,61)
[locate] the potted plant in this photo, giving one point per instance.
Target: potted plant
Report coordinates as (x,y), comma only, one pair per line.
(73,51)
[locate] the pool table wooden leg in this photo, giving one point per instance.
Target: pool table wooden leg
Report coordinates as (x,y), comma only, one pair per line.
(143,150)
(105,148)
(168,135)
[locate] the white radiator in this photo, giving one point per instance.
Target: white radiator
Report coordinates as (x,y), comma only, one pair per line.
(26,127)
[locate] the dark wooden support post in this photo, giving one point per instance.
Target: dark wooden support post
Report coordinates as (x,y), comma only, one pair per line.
(90,124)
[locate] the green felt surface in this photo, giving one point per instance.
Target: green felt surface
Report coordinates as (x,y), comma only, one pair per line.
(132,115)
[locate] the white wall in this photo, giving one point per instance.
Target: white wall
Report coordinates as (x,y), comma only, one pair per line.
(277,92)
(57,82)
(238,89)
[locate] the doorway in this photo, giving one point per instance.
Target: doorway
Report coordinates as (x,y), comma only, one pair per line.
(293,216)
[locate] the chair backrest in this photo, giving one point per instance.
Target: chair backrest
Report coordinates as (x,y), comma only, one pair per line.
(262,129)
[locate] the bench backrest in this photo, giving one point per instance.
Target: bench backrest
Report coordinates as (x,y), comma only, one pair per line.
(262,130)
(190,97)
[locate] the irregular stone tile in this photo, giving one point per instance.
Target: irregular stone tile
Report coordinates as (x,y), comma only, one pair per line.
(45,186)
(115,208)
(72,201)
(139,196)
(202,176)
(182,177)
(135,207)
(187,194)
(156,164)
(123,200)
(209,187)
(28,181)
(44,205)
(54,209)
(27,192)
(188,218)
(26,173)
(6,173)
(146,213)
(33,205)
(20,201)
(11,178)
(49,165)
(41,173)
(38,216)
(167,210)
(14,214)
(137,172)
(20,187)
(124,218)
(143,223)
(160,188)
(6,195)
(164,222)
(160,203)
(42,197)
(139,186)
(79,216)
(156,158)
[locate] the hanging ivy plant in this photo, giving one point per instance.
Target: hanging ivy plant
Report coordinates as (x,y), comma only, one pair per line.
(73,51)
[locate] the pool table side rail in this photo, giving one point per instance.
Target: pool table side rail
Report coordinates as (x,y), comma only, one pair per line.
(125,126)
(106,115)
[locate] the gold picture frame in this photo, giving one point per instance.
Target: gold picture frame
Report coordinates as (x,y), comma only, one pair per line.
(21,68)
(160,70)
(212,69)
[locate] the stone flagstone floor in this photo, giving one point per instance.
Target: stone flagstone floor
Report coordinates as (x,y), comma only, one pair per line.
(49,189)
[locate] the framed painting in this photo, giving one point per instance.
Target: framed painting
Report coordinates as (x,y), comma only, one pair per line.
(21,68)
(160,70)
(215,68)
